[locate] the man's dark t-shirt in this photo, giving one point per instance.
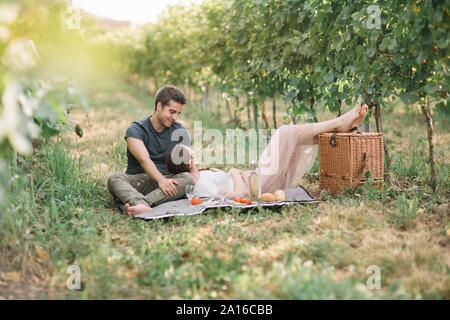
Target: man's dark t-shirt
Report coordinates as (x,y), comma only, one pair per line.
(158,144)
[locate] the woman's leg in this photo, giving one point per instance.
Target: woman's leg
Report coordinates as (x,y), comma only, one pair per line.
(291,151)
(307,134)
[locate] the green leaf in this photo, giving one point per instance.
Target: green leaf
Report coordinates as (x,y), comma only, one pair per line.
(408,98)
(371,51)
(443,108)
(392,44)
(329,77)
(359,51)
(431,88)
(374,35)
(442,42)
(397,58)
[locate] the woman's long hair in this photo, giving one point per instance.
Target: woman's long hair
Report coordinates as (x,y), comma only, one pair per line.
(179,159)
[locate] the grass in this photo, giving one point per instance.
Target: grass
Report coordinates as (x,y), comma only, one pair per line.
(60,214)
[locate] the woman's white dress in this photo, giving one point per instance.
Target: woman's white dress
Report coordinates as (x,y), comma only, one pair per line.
(209,183)
(288,156)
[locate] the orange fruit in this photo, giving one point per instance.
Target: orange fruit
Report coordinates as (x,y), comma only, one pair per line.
(246,201)
(196,201)
(237,199)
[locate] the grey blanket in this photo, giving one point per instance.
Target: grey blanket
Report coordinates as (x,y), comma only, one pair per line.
(183,207)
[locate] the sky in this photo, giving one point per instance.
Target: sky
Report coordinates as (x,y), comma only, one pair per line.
(137,11)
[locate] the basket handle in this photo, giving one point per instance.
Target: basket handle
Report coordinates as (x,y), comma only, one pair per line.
(333,141)
(355,128)
(366,157)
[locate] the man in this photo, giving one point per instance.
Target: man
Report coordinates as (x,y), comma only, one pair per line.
(146,181)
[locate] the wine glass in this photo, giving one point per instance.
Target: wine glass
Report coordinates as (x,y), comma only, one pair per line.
(221,192)
(190,193)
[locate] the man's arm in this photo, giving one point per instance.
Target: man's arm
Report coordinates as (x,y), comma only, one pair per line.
(137,148)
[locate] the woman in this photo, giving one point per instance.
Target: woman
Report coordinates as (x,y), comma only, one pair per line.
(290,154)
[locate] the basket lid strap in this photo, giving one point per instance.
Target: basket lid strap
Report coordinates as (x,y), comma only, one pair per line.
(360,176)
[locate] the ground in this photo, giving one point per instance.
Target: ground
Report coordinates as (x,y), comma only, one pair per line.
(296,252)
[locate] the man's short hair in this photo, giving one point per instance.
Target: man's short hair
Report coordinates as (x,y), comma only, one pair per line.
(167,93)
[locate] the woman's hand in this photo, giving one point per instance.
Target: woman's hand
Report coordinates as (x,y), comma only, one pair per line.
(240,188)
(195,173)
(237,193)
(196,176)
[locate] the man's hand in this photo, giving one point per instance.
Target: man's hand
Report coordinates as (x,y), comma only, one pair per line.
(168,186)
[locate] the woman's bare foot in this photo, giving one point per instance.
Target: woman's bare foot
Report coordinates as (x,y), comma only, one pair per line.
(137,209)
(352,118)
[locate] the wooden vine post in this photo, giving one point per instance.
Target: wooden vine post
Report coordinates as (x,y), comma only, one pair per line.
(380,130)
(274,111)
(424,104)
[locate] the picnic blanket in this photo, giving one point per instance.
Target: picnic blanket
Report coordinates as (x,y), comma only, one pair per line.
(183,207)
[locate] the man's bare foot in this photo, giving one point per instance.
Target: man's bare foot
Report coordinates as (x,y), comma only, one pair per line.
(137,209)
(353,118)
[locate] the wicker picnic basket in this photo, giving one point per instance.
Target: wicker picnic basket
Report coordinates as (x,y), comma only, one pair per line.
(346,158)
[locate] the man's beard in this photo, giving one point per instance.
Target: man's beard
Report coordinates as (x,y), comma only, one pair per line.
(165,122)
